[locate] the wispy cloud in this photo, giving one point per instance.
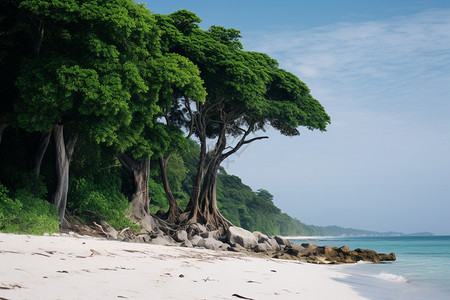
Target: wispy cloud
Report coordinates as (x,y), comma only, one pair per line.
(384,62)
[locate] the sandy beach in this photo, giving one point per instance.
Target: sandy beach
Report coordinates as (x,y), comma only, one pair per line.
(69,266)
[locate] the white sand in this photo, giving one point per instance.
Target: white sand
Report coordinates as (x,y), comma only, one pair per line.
(82,267)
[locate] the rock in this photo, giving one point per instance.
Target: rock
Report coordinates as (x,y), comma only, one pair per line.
(211,234)
(282,241)
(143,238)
(268,246)
(261,237)
(273,244)
(210,243)
(388,257)
(195,239)
(294,250)
(195,229)
(240,236)
(110,231)
(322,254)
(187,243)
(263,247)
(162,240)
(181,236)
(236,248)
(310,246)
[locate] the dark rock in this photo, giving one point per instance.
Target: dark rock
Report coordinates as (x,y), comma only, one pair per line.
(309,246)
(181,236)
(261,237)
(282,241)
(211,234)
(236,248)
(313,253)
(294,250)
(388,257)
(195,229)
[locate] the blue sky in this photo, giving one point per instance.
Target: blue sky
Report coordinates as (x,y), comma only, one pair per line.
(382,71)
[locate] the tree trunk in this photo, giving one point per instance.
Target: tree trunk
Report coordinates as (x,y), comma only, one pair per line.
(205,210)
(2,129)
(63,155)
(38,29)
(202,164)
(174,209)
(41,148)
(140,170)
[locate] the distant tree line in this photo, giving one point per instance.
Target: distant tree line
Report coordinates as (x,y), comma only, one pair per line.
(99,105)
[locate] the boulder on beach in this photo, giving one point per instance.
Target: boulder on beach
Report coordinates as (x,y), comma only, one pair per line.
(242,237)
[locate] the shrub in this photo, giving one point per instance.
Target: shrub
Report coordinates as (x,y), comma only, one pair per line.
(101,198)
(26,213)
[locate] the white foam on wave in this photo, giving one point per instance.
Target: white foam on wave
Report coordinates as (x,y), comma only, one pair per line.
(392,277)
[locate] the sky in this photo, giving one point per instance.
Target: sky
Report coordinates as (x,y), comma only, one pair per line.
(381,69)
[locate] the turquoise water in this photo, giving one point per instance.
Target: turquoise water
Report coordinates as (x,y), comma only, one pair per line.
(422,261)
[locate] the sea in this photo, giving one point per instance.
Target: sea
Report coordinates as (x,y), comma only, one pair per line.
(421,271)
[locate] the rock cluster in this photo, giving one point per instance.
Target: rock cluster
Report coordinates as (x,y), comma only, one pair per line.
(313,253)
(241,240)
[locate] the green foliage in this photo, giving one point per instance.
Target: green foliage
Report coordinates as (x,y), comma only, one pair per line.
(26,213)
(112,73)
(98,196)
(158,200)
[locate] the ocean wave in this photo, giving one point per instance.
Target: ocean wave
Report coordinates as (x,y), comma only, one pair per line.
(391,277)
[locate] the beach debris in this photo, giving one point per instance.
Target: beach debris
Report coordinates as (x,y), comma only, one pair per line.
(207,279)
(11,286)
(241,297)
(63,271)
(251,281)
(93,252)
(42,254)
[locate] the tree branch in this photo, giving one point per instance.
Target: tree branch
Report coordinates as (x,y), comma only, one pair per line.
(255,139)
(191,114)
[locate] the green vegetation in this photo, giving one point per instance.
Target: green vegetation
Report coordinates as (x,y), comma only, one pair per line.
(25,212)
(96,105)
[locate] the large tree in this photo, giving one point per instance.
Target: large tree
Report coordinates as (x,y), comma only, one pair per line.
(246,92)
(170,76)
(85,75)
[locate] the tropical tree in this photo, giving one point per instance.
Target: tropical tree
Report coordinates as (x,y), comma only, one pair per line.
(246,92)
(85,74)
(170,76)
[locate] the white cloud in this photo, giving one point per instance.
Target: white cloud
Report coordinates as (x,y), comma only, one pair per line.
(386,86)
(404,57)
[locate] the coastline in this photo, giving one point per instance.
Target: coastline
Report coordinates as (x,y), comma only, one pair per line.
(66,266)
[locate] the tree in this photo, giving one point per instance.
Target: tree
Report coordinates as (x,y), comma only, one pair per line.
(85,75)
(246,92)
(171,76)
